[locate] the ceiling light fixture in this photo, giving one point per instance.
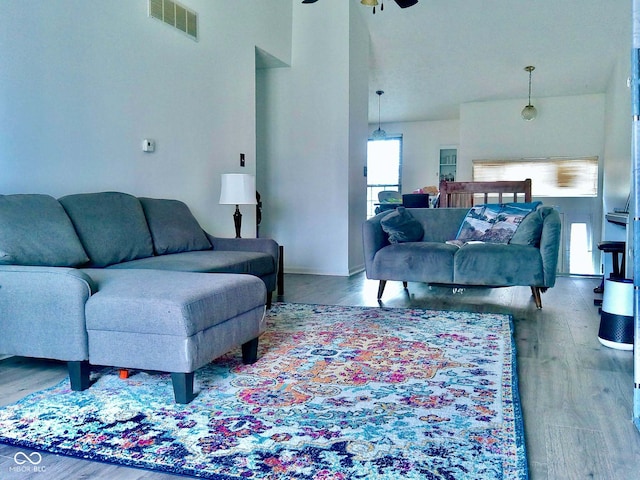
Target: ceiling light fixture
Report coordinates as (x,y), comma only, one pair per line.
(374,3)
(379,134)
(529,112)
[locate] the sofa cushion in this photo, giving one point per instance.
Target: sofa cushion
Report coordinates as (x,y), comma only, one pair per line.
(415,262)
(493,223)
(173,227)
(493,264)
(208,261)
(111,226)
(35,230)
(402,227)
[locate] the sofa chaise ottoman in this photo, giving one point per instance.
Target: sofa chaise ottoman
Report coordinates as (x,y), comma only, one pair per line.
(172,321)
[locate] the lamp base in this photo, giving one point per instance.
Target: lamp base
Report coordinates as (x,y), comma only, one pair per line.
(237,221)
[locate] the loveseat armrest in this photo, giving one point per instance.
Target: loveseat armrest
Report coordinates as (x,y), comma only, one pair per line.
(42,312)
(550,244)
(374,239)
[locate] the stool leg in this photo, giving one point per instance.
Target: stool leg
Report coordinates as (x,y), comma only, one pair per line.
(616,266)
(183,387)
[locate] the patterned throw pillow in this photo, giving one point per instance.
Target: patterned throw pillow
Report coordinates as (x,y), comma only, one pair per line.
(494,223)
(401,226)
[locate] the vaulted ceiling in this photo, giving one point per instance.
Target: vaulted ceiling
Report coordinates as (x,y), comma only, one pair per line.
(438,54)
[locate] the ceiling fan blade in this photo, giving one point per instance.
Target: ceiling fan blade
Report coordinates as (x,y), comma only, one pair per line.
(406,3)
(309,1)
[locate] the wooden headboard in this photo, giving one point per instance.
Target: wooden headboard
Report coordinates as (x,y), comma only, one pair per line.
(463,194)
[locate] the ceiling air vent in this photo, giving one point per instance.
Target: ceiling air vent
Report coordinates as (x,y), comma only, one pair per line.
(174,14)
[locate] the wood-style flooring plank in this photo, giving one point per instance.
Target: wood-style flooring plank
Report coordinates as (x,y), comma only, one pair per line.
(566,460)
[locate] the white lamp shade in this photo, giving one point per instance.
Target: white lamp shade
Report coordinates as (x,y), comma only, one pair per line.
(238,189)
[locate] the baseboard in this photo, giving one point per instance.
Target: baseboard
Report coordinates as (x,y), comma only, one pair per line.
(305,271)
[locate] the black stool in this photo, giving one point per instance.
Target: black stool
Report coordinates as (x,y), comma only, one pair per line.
(616,249)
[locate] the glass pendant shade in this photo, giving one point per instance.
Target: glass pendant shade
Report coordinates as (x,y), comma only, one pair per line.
(379,133)
(369,3)
(529,112)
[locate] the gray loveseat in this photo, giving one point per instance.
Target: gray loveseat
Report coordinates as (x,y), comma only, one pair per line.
(111,279)
(529,259)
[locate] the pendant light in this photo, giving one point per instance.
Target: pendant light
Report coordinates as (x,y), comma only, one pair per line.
(529,112)
(372,3)
(379,133)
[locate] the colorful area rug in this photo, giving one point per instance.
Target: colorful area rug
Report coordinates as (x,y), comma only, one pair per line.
(338,393)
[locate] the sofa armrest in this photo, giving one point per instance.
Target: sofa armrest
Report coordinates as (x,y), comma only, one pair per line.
(264,245)
(42,312)
(550,244)
(374,239)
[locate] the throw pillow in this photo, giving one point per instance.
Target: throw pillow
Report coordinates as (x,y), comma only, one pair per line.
(530,230)
(35,230)
(494,223)
(401,226)
(173,227)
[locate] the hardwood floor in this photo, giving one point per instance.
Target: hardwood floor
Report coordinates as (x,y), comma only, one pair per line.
(576,394)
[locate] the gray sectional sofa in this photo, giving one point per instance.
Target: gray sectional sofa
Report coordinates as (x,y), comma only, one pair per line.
(112,279)
(529,259)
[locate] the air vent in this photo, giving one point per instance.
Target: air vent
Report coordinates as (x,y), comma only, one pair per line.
(174,14)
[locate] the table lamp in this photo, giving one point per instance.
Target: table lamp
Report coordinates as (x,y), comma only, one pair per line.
(238,189)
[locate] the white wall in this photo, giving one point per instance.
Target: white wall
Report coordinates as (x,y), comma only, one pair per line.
(358,114)
(617,149)
(565,126)
(309,141)
(82,82)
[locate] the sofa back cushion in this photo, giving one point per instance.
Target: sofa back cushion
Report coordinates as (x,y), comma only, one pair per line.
(173,227)
(35,230)
(111,226)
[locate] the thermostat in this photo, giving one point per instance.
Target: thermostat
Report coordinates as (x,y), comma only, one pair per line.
(148,145)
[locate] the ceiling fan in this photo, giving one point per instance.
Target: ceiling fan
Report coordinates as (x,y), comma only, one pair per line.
(373,3)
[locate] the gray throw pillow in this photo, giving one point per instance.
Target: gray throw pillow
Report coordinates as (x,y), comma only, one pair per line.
(401,226)
(529,230)
(35,230)
(173,227)
(111,226)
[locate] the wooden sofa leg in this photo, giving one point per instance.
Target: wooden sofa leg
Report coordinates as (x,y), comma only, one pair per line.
(250,352)
(79,375)
(383,284)
(536,291)
(183,387)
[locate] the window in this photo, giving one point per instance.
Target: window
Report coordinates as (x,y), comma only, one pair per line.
(550,177)
(384,169)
